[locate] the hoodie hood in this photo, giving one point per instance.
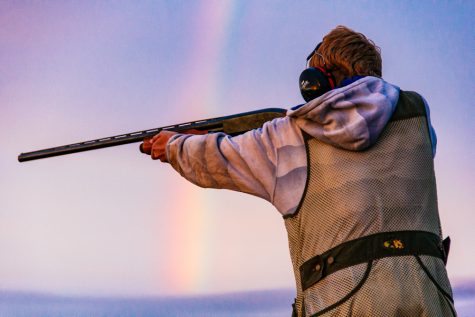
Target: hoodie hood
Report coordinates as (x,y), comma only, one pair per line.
(351,117)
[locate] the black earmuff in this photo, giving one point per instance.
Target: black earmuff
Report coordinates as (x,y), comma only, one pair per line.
(315,81)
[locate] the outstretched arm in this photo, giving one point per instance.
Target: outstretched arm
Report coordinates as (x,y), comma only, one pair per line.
(216,160)
(259,162)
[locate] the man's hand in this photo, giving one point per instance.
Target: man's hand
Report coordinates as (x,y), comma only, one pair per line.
(156,146)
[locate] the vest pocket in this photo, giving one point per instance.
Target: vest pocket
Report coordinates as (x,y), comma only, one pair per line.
(335,289)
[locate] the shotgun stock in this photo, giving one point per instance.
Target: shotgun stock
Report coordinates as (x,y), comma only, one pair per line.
(232,125)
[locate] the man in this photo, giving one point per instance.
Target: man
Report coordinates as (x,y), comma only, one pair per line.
(351,171)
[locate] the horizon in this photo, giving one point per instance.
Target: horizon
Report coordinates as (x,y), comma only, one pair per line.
(244,304)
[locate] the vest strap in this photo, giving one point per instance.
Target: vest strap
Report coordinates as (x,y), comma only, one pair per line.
(368,248)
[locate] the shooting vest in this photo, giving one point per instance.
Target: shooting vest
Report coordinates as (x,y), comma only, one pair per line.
(366,238)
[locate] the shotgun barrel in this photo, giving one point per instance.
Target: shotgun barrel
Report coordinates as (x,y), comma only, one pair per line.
(232,125)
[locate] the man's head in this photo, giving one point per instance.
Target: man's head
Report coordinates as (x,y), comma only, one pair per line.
(346,53)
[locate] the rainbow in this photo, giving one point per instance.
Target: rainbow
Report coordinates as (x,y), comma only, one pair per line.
(190,241)
(206,53)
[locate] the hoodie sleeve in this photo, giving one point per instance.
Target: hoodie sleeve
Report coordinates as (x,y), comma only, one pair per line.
(256,162)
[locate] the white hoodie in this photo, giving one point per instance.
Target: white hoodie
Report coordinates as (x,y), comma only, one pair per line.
(271,162)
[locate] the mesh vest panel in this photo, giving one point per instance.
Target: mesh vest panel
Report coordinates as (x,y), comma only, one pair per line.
(351,194)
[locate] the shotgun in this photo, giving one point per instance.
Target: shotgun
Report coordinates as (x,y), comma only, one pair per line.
(232,125)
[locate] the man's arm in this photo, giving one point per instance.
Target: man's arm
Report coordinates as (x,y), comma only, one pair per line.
(259,162)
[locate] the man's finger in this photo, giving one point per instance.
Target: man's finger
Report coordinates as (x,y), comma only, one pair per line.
(146,146)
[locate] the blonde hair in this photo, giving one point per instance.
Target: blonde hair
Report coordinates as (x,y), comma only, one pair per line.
(350,52)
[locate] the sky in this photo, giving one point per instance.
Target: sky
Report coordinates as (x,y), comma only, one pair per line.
(114,222)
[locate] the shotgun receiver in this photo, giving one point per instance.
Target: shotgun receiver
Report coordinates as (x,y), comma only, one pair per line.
(232,125)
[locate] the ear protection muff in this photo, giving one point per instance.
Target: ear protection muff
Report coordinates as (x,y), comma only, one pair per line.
(315,81)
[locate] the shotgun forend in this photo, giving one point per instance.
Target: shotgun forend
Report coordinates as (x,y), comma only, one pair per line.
(232,125)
